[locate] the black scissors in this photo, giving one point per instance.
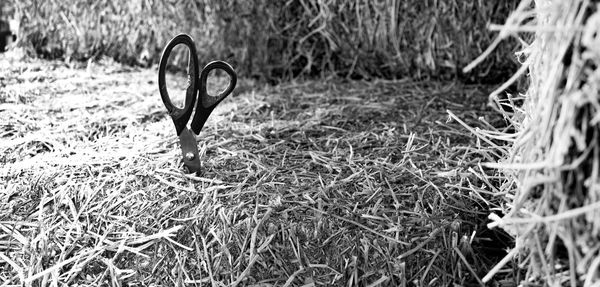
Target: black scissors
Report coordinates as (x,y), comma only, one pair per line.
(196,87)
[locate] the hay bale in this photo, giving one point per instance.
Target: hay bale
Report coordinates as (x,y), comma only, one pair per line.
(281,39)
(80,30)
(553,203)
(385,39)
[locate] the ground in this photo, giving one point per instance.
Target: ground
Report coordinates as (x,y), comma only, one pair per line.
(320,182)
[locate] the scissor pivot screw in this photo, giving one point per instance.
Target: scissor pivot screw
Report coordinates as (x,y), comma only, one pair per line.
(189,156)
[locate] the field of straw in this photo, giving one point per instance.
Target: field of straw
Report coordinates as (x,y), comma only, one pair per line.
(388,153)
(307,183)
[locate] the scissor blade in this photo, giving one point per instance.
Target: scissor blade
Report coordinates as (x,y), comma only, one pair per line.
(189,149)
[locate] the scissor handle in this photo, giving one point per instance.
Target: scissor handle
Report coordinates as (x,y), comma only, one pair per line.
(207,103)
(180,116)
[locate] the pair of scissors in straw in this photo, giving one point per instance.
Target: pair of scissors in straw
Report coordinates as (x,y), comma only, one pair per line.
(196,94)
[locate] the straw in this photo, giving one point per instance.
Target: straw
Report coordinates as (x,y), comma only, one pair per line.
(326,182)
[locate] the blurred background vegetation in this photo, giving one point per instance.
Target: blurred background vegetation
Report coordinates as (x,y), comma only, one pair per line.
(279,40)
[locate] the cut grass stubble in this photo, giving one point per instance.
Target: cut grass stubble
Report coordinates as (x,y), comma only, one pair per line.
(324,183)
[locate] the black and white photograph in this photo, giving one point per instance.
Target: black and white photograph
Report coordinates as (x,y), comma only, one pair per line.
(300,143)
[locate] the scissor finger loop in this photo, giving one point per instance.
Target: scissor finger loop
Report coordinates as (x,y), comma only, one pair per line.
(180,116)
(208,100)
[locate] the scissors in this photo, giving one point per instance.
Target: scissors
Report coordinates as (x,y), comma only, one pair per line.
(196,88)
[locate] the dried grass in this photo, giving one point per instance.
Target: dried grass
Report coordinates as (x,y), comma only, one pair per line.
(308,183)
(552,205)
(277,40)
